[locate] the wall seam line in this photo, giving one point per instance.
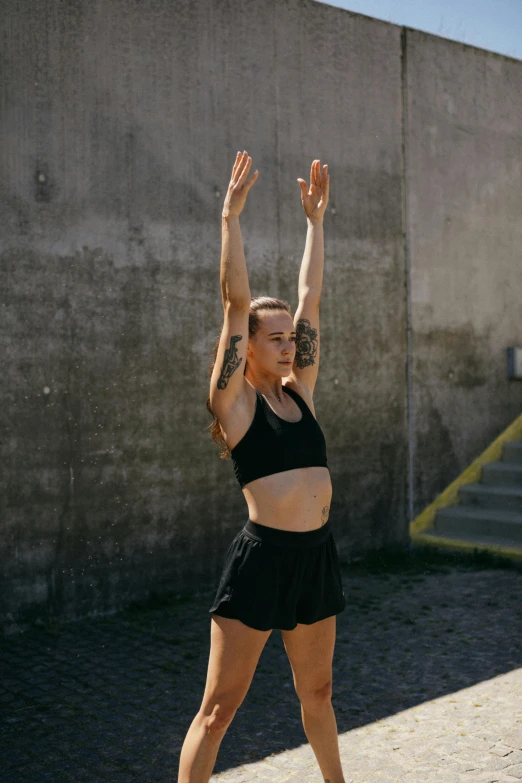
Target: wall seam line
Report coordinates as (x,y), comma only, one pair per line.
(278,151)
(407,274)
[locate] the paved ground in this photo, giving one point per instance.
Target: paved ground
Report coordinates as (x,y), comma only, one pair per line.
(428,687)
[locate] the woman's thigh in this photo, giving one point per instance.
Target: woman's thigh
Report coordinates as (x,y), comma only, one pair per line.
(235,649)
(310,651)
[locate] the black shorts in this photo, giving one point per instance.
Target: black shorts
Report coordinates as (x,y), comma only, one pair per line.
(277,578)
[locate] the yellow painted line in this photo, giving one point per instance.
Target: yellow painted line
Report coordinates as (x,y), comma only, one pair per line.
(470,476)
(458,543)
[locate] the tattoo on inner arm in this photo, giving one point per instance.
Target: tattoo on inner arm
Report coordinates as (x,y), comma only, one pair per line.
(306,343)
(231,362)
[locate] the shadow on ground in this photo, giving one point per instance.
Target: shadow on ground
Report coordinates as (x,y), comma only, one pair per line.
(110,699)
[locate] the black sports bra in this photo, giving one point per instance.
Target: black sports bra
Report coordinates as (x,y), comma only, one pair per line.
(272,444)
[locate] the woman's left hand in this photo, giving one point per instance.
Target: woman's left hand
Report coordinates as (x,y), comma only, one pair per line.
(315,199)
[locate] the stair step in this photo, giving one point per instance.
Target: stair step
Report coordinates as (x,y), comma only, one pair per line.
(512,451)
(465,520)
(502,473)
(502,498)
(491,541)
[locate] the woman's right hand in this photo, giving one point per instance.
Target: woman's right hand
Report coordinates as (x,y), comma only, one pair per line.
(238,188)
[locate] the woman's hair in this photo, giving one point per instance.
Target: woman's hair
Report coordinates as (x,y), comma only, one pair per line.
(254,322)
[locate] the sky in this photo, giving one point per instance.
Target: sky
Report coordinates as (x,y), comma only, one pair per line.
(490,24)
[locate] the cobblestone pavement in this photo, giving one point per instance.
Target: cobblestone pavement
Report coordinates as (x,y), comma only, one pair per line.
(427,687)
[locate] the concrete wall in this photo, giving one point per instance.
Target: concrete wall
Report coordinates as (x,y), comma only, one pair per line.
(463,145)
(120,126)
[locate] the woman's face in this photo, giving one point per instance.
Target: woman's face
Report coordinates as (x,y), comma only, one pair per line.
(272,349)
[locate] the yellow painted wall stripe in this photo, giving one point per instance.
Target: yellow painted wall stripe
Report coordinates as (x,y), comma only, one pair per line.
(470,476)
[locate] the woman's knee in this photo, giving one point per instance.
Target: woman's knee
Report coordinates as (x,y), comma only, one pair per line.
(315,696)
(218,713)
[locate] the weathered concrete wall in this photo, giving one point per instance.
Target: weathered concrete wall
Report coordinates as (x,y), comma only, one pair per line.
(121,121)
(464,195)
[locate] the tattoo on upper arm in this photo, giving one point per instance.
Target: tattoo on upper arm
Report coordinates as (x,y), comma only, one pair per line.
(231,362)
(306,343)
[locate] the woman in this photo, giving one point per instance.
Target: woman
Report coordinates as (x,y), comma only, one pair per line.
(281,570)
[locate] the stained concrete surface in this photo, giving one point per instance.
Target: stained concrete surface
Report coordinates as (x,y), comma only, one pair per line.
(427,686)
(120,123)
(123,121)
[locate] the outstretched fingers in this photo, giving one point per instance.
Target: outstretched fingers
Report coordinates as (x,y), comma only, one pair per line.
(326,180)
(240,172)
(315,176)
(246,163)
(303,186)
(321,177)
(237,164)
(241,159)
(253,178)
(238,187)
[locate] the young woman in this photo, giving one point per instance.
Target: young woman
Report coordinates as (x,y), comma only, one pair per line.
(282,569)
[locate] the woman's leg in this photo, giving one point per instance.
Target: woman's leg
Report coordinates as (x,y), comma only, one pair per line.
(234,652)
(310,652)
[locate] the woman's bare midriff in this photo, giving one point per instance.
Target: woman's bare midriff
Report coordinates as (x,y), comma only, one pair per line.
(297,499)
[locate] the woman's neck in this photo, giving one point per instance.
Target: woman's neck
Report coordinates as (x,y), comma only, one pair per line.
(272,389)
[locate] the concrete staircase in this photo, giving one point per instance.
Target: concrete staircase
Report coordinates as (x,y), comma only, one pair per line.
(488,512)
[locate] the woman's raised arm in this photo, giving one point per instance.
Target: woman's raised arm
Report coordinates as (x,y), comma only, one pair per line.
(235,289)
(306,319)
(226,383)
(314,201)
